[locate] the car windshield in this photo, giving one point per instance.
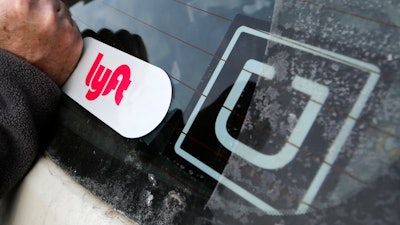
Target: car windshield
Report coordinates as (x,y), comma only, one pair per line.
(283,112)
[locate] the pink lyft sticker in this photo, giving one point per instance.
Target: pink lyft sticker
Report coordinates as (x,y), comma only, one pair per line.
(126,93)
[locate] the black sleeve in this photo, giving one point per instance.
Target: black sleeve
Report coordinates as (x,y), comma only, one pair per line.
(28,99)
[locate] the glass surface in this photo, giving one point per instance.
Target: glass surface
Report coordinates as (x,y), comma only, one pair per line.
(283,112)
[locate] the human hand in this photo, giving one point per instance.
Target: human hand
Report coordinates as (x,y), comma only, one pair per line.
(43,33)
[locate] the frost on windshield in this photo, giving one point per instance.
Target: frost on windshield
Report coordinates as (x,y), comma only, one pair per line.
(136,195)
(362,183)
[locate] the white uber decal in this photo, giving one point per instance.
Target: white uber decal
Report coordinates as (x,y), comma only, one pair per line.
(317,94)
(126,93)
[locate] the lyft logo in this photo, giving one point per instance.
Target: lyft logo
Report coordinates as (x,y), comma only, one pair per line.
(102,84)
(102,80)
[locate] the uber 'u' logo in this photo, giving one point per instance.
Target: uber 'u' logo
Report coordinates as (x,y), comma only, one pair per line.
(212,132)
